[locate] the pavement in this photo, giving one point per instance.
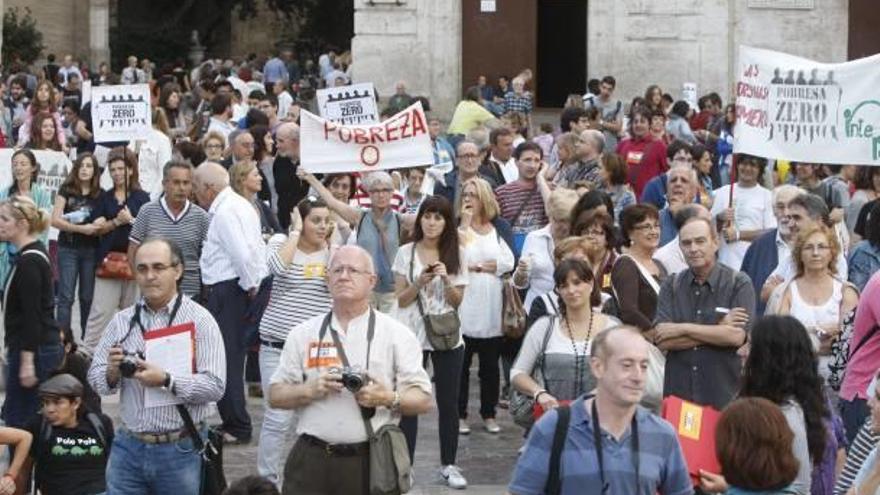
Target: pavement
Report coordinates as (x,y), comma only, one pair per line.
(486,459)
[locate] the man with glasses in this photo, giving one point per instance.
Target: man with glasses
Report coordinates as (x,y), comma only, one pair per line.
(332,451)
(467,161)
(703,316)
(242,146)
(681,187)
(678,153)
(155,435)
(749,215)
(233,265)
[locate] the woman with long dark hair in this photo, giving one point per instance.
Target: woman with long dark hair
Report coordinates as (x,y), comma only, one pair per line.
(782,367)
(76,199)
(430,275)
(44,102)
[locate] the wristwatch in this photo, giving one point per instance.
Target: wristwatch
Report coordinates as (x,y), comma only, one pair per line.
(168,384)
(395,402)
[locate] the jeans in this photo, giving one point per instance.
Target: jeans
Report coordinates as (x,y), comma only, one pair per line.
(276,422)
(447,379)
(138,468)
(488,352)
(853,413)
(75,263)
(23,404)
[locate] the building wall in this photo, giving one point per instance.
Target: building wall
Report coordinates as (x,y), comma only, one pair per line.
(642,42)
(261,33)
(418,41)
(64,24)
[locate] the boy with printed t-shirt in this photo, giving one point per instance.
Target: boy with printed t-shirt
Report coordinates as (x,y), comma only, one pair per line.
(71,444)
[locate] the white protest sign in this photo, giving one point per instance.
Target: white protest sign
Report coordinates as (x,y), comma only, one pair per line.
(399,142)
(54,168)
(354,104)
(121,113)
(689,94)
(797,109)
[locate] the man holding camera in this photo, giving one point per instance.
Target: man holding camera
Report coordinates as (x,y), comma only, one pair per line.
(152,452)
(339,368)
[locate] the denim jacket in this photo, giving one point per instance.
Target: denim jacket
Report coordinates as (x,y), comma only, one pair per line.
(863,262)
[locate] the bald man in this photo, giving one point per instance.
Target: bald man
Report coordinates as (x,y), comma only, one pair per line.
(233,265)
(289,188)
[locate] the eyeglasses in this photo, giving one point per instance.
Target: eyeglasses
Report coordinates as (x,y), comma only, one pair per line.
(816,248)
(594,233)
(339,270)
(468,156)
(380,191)
(214,146)
(159,268)
(647,226)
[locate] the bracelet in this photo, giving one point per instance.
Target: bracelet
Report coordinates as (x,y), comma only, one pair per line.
(395,402)
(538,394)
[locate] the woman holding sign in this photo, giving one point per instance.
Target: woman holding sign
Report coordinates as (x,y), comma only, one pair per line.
(379,229)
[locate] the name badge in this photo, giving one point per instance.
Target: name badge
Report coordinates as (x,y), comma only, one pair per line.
(323,355)
(721,310)
(313,270)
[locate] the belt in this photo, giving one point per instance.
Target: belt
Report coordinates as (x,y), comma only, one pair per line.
(273,345)
(156,438)
(338,449)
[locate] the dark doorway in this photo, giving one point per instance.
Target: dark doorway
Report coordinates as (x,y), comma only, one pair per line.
(562,50)
(864,37)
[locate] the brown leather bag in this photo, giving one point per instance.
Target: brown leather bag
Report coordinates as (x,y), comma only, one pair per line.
(513,315)
(116,266)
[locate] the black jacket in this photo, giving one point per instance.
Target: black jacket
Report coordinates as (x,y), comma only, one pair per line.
(29,310)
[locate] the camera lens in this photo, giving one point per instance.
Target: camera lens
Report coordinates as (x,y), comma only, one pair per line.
(127,367)
(352,382)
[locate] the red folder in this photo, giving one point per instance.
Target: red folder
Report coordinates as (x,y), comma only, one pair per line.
(695,426)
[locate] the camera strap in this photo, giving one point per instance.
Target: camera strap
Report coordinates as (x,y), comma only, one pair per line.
(597,444)
(136,317)
(371,330)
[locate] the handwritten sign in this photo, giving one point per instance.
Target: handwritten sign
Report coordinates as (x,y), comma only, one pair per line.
(399,142)
(121,113)
(355,104)
(797,109)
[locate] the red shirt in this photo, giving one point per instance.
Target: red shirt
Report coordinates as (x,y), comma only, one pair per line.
(645,159)
(701,120)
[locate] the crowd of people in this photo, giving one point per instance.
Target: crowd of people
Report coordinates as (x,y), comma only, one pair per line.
(649,258)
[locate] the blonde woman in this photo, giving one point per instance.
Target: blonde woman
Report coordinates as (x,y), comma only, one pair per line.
(246,180)
(485,239)
(213,144)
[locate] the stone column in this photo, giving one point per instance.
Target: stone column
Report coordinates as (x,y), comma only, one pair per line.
(99,32)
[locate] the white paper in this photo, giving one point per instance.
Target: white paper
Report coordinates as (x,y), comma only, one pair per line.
(174,354)
(487,5)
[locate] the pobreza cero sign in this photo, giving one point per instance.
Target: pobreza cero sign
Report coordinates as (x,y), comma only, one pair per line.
(399,142)
(121,113)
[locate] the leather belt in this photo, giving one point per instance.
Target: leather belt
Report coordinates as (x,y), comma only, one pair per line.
(337,449)
(157,438)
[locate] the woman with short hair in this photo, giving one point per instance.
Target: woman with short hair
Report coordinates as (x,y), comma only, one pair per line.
(636,277)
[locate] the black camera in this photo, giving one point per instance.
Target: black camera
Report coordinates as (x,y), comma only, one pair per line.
(128,366)
(353,378)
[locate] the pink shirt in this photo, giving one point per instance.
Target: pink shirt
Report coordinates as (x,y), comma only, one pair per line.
(864,363)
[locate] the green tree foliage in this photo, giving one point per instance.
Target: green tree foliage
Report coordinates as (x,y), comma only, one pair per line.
(21,38)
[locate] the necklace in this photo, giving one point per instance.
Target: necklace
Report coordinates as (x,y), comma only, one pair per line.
(580,358)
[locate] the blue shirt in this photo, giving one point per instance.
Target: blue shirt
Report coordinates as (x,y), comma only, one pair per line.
(668,230)
(275,70)
(661,464)
(108,207)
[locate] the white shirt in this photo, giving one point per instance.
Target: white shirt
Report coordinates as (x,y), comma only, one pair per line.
(753,210)
(234,247)
(787,269)
(395,359)
(508,169)
(224,128)
(433,295)
(480,308)
(153,154)
(538,248)
(284,102)
(671,257)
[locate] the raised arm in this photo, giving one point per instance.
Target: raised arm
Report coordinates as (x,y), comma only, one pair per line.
(349,213)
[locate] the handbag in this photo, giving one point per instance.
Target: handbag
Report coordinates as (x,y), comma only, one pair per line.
(389,455)
(513,315)
(443,330)
(116,266)
(522,406)
(213,479)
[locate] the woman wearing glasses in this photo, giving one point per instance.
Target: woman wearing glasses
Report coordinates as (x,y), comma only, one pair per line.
(636,277)
(298,264)
(816,296)
(32,337)
(213,144)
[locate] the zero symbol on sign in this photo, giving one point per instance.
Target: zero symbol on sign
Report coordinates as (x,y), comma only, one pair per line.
(369,155)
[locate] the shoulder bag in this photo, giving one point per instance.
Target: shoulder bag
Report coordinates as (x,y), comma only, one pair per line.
(443,330)
(389,455)
(213,478)
(522,406)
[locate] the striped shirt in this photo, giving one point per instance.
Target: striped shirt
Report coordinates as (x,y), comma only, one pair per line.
(858,453)
(299,290)
(512,196)
(199,391)
(188,230)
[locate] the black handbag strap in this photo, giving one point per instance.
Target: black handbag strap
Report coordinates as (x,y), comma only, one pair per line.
(198,443)
(864,340)
(412,280)
(554,480)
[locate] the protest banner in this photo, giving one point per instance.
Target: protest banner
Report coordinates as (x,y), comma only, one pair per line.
(689,94)
(399,142)
(121,113)
(354,104)
(797,109)
(54,168)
